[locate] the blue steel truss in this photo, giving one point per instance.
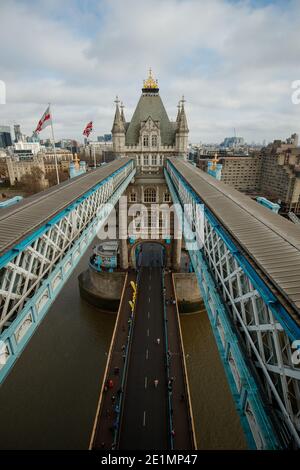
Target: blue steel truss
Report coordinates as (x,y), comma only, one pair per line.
(249,325)
(33,272)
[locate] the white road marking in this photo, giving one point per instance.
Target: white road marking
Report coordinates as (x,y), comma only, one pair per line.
(146,382)
(147,353)
(149,300)
(148,332)
(144,419)
(149,286)
(148,314)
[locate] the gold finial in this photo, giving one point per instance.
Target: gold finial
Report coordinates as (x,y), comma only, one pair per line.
(150,82)
(76,161)
(215,161)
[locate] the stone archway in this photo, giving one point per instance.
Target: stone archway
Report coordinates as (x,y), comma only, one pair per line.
(133,248)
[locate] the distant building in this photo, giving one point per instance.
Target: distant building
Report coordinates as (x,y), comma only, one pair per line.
(104,138)
(5,137)
(273,172)
(231,142)
(18,134)
(19,167)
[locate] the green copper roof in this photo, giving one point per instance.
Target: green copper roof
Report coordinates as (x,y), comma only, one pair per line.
(150,105)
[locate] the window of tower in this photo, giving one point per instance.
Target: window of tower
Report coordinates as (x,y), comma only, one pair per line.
(154,159)
(146,140)
(138,160)
(133,197)
(146,160)
(150,195)
(167,197)
(154,140)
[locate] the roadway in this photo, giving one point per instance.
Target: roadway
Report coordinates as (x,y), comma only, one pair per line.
(144,422)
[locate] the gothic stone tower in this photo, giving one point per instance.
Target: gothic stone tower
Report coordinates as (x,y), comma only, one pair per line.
(150,137)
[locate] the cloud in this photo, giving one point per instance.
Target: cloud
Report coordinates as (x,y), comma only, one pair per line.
(234,61)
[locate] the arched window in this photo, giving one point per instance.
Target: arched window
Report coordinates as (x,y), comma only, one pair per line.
(146,140)
(150,195)
(154,140)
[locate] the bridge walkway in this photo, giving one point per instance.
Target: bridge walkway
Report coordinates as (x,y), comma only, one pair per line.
(182,418)
(105,426)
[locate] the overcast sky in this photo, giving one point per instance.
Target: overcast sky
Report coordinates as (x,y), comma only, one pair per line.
(233,60)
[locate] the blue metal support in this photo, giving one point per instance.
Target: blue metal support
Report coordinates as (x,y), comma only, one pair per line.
(249,404)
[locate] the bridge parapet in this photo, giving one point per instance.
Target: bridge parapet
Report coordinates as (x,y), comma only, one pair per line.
(253,320)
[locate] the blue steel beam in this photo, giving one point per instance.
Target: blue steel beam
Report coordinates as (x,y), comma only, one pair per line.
(14,339)
(258,430)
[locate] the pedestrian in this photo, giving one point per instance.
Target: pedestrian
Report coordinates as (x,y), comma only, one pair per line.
(158,340)
(124,357)
(182,397)
(107,413)
(173,433)
(155,383)
(113,398)
(123,347)
(103,445)
(110,383)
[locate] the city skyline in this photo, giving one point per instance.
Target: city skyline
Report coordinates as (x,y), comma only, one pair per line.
(234,62)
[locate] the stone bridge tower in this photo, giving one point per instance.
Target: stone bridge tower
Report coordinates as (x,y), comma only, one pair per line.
(150,137)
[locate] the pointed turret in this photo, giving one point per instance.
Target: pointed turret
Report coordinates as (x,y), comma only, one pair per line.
(182,130)
(182,122)
(122,113)
(118,130)
(118,125)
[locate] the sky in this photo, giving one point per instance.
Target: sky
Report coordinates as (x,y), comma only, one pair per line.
(233,60)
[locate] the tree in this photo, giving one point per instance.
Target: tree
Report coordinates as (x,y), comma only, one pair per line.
(52,177)
(34,181)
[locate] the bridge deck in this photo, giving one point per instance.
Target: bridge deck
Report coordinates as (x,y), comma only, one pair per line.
(27,216)
(271,242)
(145,420)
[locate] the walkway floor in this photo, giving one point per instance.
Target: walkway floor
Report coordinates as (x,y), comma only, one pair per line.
(106,414)
(182,421)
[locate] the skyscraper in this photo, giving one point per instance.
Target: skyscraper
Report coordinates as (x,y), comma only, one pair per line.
(5,137)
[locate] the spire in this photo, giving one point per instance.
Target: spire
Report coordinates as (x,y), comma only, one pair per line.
(122,112)
(178,112)
(118,125)
(182,123)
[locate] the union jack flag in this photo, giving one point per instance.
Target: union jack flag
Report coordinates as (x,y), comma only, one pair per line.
(88,129)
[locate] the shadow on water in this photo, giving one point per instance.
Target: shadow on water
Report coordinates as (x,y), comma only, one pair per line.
(216,420)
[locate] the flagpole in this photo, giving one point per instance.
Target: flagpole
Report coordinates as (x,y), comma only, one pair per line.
(94,152)
(54,148)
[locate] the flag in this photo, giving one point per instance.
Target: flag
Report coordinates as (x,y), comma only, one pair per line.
(44,121)
(88,129)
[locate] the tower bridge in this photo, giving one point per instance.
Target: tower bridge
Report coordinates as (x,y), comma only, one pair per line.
(246,260)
